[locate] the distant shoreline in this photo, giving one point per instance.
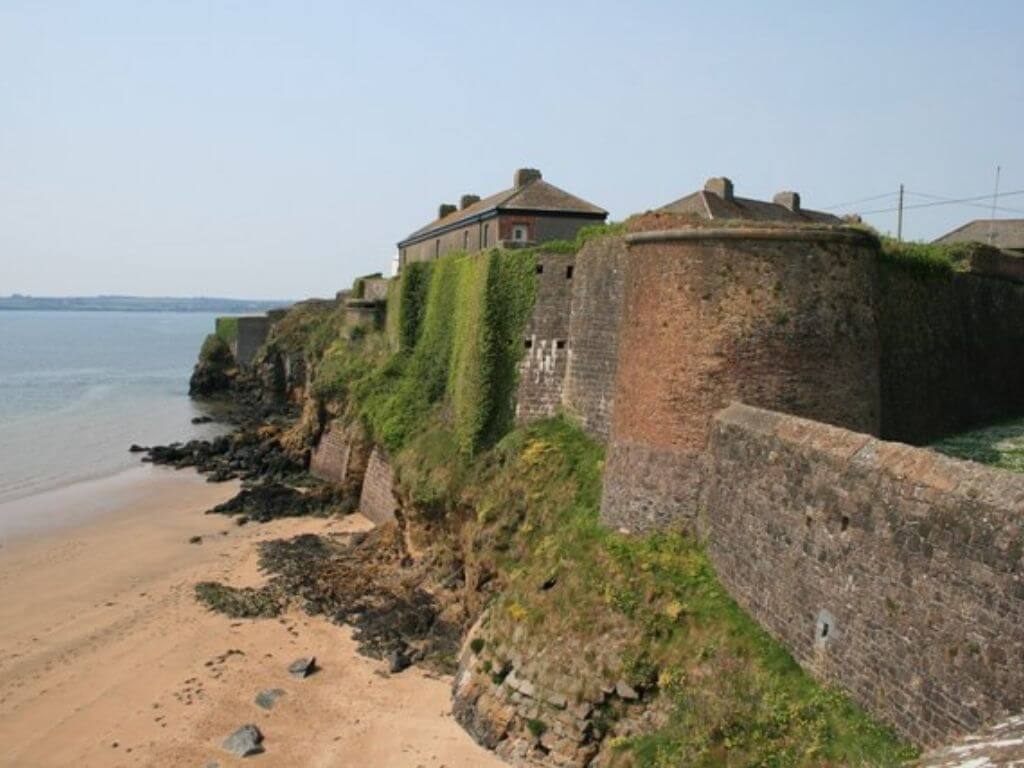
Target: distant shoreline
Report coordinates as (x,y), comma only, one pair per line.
(19,303)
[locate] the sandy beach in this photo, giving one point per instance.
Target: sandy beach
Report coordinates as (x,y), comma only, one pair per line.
(106,659)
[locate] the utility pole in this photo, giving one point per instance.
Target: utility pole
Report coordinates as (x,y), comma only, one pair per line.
(992,221)
(899,218)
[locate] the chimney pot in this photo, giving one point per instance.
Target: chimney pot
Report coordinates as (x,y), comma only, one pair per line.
(445,209)
(524,176)
(720,186)
(789,200)
(468,200)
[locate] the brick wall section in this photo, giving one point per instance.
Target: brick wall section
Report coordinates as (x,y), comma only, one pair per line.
(952,354)
(781,318)
(542,370)
(596,311)
(911,558)
(378,499)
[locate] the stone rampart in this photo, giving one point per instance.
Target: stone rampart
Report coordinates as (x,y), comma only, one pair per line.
(546,339)
(893,571)
(377,501)
(779,317)
(596,311)
(952,352)
(252,333)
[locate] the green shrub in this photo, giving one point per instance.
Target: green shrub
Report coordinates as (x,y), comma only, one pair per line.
(227,329)
(925,258)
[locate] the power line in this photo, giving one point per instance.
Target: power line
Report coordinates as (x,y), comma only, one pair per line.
(986,206)
(965,200)
(856,202)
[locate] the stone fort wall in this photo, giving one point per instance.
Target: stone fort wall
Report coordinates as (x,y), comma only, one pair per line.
(781,318)
(951,352)
(893,571)
(595,315)
(546,339)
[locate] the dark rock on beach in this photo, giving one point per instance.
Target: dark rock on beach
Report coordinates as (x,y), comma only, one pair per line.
(303,667)
(246,741)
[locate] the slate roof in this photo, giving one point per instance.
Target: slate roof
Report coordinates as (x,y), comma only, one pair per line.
(708,205)
(1007,233)
(535,196)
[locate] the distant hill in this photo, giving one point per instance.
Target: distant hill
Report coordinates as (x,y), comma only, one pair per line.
(137,304)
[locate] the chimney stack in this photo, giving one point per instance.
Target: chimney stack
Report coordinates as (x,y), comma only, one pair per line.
(468,200)
(788,200)
(525,175)
(720,186)
(445,209)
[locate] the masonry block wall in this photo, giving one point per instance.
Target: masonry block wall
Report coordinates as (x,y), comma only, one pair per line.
(596,311)
(341,457)
(778,317)
(893,571)
(952,350)
(252,333)
(378,497)
(546,339)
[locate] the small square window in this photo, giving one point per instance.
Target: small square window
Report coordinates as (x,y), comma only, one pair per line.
(528,343)
(540,269)
(560,344)
(520,233)
(568,272)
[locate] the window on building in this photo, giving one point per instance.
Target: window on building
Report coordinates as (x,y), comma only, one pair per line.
(568,272)
(487,235)
(528,343)
(465,240)
(520,233)
(437,248)
(540,269)
(560,344)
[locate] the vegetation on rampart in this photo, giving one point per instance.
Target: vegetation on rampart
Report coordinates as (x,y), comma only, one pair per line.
(227,329)
(456,344)
(926,258)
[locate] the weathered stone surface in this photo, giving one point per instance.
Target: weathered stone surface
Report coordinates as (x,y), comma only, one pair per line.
(377,501)
(998,746)
(246,741)
(892,571)
(542,369)
(596,311)
(951,352)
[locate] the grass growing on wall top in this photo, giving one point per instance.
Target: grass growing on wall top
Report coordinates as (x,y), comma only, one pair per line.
(924,258)
(647,609)
(1000,445)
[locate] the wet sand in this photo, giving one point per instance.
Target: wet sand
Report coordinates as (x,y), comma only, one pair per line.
(106,659)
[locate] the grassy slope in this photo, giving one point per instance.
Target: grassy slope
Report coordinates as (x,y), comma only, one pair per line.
(733,695)
(1001,445)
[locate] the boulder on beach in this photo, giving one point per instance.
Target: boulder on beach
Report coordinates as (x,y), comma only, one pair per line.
(303,667)
(244,742)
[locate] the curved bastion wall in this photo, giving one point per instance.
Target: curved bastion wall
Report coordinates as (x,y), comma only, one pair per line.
(781,318)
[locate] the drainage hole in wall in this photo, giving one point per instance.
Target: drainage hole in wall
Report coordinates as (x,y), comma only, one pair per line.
(560,344)
(824,630)
(528,343)
(844,523)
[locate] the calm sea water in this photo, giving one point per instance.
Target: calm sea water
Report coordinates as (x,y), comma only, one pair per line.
(78,388)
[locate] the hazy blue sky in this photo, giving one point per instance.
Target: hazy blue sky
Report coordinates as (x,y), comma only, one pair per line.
(278,149)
